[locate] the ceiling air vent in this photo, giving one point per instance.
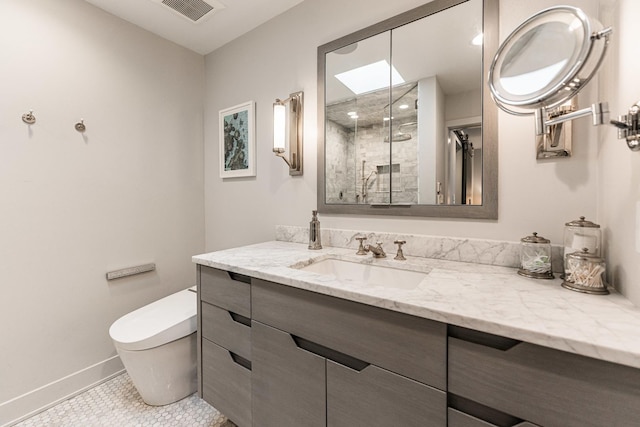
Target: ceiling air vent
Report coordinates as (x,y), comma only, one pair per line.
(194,10)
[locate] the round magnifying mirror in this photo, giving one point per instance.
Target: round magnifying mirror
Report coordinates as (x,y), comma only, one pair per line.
(547,60)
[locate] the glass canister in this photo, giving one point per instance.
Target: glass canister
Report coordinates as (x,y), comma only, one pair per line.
(581,233)
(584,272)
(535,257)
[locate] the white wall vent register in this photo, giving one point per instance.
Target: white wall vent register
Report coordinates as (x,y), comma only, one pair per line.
(196,11)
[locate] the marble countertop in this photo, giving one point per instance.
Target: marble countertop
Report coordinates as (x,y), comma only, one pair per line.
(487,298)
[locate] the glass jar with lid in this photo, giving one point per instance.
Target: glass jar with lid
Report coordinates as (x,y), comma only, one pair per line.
(584,272)
(581,233)
(535,257)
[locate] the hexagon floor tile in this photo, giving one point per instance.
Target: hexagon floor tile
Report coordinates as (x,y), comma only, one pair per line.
(117,403)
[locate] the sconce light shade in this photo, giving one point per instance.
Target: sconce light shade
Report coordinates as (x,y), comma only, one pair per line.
(279,127)
(287,127)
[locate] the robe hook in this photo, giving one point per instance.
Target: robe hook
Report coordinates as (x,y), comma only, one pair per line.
(80,127)
(29,118)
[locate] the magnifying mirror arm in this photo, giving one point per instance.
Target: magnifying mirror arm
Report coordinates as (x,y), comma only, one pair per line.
(599,114)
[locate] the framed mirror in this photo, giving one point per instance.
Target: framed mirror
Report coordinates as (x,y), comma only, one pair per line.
(406,123)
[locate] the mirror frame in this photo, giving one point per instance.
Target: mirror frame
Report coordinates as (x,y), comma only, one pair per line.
(489,207)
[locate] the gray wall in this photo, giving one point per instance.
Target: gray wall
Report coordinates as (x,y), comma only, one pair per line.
(127,192)
(280,57)
(131,190)
(618,192)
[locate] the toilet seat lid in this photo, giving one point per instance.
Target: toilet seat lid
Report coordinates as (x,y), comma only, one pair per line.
(168,319)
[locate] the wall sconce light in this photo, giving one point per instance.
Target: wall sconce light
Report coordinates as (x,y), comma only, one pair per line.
(287,127)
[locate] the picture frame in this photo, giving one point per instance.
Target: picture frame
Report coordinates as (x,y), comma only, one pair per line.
(237,141)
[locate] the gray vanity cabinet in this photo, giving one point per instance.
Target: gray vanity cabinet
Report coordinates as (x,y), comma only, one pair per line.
(320,360)
(224,342)
(543,386)
(272,355)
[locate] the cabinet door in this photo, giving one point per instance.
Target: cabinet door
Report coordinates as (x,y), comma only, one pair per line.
(541,385)
(288,383)
(377,397)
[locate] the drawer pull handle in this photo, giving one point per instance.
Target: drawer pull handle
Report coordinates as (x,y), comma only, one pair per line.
(239,318)
(239,360)
(333,355)
(482,338)
(239,277)
(491,416)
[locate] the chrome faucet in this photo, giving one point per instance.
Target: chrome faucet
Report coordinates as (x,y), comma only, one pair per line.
(377,250)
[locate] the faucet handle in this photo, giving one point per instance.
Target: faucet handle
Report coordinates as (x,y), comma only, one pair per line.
(361,250)
(400,256)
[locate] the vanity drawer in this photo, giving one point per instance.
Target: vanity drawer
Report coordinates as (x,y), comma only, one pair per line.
(376,397)
(541,385)
(228,290)
(226,383)
(227,329)
(404,344)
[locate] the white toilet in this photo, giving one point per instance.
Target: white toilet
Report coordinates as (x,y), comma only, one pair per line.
(157,345)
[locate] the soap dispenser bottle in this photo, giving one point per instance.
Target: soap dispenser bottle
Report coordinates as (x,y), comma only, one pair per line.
(314,232)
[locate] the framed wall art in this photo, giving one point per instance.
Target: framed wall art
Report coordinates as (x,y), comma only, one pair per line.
(237,141)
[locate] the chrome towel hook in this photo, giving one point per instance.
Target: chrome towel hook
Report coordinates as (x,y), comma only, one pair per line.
(80,127)
(29,118)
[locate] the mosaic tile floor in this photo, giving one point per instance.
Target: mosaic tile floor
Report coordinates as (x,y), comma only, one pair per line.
(117,403)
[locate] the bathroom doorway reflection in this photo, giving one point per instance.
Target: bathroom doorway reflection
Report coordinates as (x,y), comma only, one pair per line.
(463,185)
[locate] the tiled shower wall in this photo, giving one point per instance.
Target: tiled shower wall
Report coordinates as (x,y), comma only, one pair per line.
(339,165)
(346,149)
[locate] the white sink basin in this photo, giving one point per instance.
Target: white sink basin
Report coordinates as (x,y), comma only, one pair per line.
(373,275)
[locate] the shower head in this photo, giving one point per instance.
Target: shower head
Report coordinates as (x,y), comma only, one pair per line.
(401,136)
(398,137)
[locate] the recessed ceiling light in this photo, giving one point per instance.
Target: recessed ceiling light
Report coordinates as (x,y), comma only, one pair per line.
(403,106)
(370,77)
(477,40)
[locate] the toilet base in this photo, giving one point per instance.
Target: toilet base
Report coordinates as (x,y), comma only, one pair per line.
(163,374)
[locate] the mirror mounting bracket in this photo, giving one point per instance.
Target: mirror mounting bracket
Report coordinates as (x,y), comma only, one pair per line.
(549,130)
(553,133)
(629,127)
(558,141)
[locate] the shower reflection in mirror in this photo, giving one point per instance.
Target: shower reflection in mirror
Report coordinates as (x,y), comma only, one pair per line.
(392,108)
(377,150)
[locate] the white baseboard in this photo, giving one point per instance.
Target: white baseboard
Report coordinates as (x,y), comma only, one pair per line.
(38,400)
